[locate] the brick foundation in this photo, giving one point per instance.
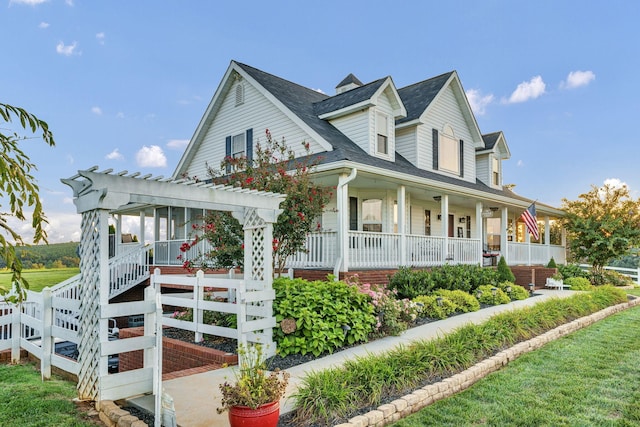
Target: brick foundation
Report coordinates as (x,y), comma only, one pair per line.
(179,358)
(378,277)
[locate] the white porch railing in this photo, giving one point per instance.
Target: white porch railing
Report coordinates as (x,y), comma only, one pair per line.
(321,251)
(533,254)
(381,250)
(128,269)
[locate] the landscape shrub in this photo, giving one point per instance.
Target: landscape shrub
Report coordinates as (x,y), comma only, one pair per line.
(578,283)
(411,283)
(393,315)
(430,308)
(464,301)
(616,279)
(552,263)
(572,270)
(327,315)
(489,298)
(329,396)
(504,272)
(517,292)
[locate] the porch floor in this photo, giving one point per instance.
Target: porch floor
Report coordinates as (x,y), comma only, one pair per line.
(196,397)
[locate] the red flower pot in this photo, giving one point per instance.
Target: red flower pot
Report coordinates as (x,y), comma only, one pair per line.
(263,416)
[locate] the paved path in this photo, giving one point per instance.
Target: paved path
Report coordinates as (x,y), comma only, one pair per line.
(196,397)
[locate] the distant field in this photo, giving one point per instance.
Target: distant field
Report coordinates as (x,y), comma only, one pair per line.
(40,278)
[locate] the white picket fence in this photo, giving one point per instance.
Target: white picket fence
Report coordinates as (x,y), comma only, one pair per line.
(53,315)
(38,323)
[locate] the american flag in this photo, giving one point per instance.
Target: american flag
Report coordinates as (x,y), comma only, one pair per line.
(529,218)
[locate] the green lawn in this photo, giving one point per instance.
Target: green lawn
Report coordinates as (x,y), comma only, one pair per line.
(589,378)
(41,278)
(27,401)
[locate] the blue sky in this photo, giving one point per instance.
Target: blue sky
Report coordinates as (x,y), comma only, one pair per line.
(123,84)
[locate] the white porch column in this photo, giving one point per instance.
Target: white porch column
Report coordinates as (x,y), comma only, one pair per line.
(527,240)
(142,225)
(342,202)
(479,231)
(503,233)
(444,216)
(564,245)
(117,243)
(402,228)
(547,236)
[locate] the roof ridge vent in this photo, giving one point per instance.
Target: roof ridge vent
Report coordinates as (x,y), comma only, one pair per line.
(348,83)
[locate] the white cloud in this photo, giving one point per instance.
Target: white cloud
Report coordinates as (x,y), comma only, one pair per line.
(70,159)
(28,2)
(528,90)
(114,155)
(62,227)
(178,144)
(67,50)
(520,163)
(96,110)
(43,25)
(100,37)
(478,101)
(151,157)
(320,91)
(578,78)
(120,115)
(69,2)
(615,183)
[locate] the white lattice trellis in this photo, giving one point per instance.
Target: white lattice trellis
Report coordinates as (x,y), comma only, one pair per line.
(89,346)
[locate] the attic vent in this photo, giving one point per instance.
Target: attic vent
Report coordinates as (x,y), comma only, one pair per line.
(239,94)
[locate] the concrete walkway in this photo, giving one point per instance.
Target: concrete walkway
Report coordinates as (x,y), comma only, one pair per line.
(196,397)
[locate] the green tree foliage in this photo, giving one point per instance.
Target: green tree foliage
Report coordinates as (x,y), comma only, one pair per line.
(276,168)
(47,255)
(602,225)
(19,186)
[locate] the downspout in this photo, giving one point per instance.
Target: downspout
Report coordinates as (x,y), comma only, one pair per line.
(342,262)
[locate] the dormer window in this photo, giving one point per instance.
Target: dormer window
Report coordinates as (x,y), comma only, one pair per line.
(382,134)
(496,171)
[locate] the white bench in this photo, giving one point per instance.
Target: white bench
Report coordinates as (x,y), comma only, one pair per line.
(556,284)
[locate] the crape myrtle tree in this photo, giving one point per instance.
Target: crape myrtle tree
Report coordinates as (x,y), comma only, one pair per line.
(273,167)
(18,191)
(603,224)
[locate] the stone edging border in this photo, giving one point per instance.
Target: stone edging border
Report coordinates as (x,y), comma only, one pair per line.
(413,402)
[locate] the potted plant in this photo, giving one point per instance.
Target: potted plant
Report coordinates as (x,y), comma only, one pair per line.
(254,398)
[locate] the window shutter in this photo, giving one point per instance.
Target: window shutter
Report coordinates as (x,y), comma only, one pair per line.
(249,145)
(461,158)
(435,148)
(227,149)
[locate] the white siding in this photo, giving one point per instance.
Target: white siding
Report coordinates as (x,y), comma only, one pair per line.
(384,105)
(356,127)
(406,144)
(256,112)
(446,111)
(483,169)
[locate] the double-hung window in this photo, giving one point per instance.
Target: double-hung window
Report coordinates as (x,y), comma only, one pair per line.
(238,145)
(382,133)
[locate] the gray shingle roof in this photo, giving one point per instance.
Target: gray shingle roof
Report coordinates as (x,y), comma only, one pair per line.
(490,140)
(417,97)
(301,101)
(350,97)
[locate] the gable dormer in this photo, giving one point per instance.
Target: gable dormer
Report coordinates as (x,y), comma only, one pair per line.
(440,132)
(489,159)
(365,114)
